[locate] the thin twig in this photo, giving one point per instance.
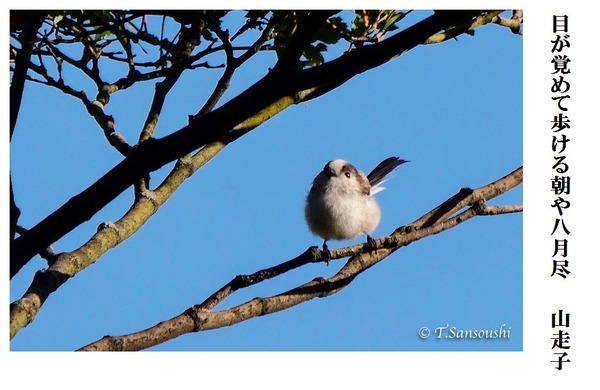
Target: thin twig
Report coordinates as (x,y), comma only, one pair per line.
(232,64)
(264,99)
(223,83)
(95,109)
(514,23)
(471,25)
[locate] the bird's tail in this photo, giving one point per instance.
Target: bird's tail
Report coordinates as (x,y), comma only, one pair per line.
(378,174)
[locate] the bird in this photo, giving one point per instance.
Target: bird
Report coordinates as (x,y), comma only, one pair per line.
(340,203)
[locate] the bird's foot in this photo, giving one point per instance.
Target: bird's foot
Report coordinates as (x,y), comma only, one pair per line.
(371,242)
(326,253)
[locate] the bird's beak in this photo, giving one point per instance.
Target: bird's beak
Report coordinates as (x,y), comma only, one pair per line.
(328,170)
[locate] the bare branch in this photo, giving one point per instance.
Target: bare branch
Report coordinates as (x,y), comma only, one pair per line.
(495,210)
(514,23)
(107,124)
(250,24)
(95,108)
(223,83)
(232,64)
(461,28)
(14,212)
(189,39)
(46,254)
(32,21)
(269,96)
(80,64)
(200,317)
(109,235)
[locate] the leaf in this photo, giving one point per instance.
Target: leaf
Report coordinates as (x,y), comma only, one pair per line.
(330,34)
(102,35)
(390,23)
(313,54)
(104,16)
(358,25)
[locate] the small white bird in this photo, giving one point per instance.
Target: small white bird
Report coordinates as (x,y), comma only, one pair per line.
(340,204)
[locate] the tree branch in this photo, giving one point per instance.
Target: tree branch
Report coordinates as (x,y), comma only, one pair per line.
(106,123)
(108,235)
(223,83)
(32,22)
(307,28)
(47,254)
(331,75)
(95,108)
(201,318)
(15,212)
(232,64)
(57,54)
(188,40)
(514,23)
(269,96)
(461,28)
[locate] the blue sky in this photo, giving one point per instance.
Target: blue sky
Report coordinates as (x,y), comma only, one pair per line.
(453,109)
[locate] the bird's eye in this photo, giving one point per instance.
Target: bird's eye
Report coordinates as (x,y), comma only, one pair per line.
(347,174)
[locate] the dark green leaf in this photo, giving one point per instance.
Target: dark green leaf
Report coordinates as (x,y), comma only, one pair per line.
(313,53)
(358,26)
(330,35)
